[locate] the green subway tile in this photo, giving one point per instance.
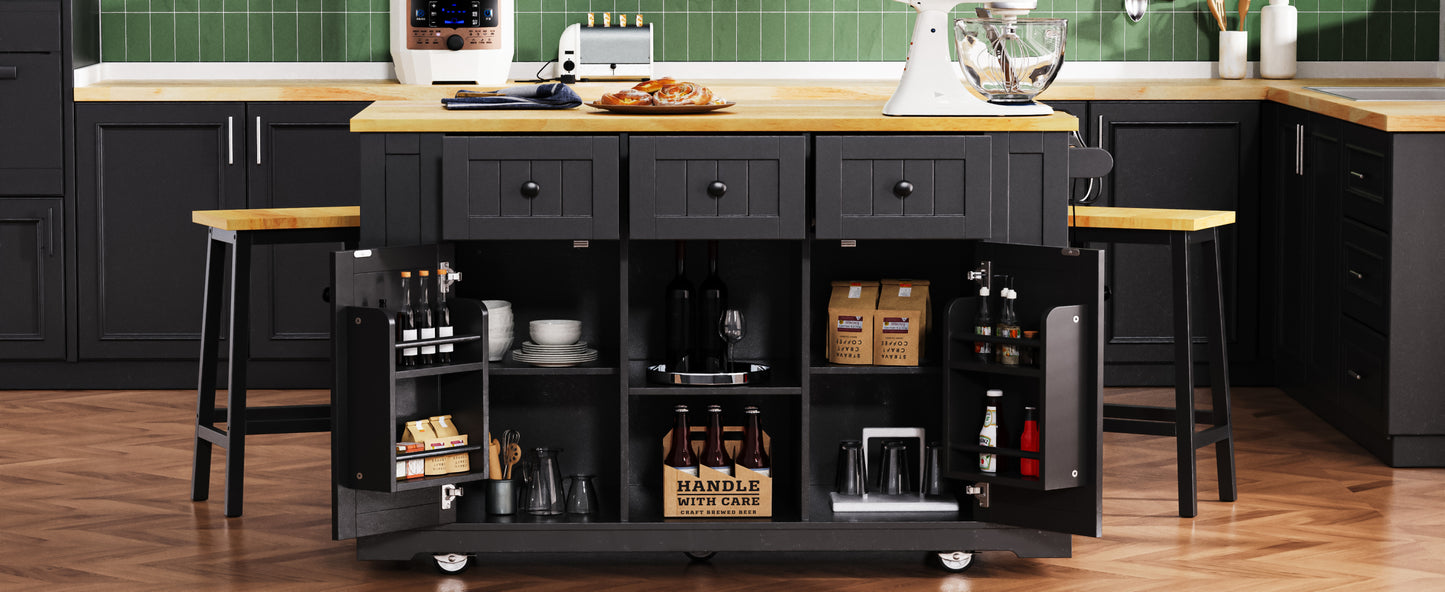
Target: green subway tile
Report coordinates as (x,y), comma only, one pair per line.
(308,6)
(308,46)
(845,6)
(821,6)
(1427,38)
(1184,39)
(1331,37)
(651,6)
(674,31)
(725,37)
(137,5)
(526,29)
(188,42)
(749,37)
(284,6)
(283,31)
(1403,5)
(137,37)
(696,5)
(895,35)
(1356,44)
(112,37)
(1331,5)
(845,38)
(259,6)
(529,5)
(1356,6)
(333,37)
(773,37)
(1085,39)
(1428,6)
(1308,48)
(163,37)
(188,5)
(699,37)
(1252,25)
(820,37)
(1378,38)
(380,39)
(553,25)
(261,37)
(356,5)
(112,6)
(229,5)
(1136,37)
(213,48)
(749,5)
(358,37)
(795,5)
(163,6)
(236,38)
(795,26)
(1161,36)
(1303,6)
(870,38)
(333,5)
(1113,38)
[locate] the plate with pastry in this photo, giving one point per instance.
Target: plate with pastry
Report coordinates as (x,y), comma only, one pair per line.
(663,96)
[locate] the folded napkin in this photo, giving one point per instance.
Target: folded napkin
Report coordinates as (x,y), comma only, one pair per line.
(553,95)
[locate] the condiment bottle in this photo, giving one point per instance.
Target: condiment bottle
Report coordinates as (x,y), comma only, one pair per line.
(1029,442)
(680,455)
(406,322)
(983,325)
(426,329)
(1008,326)
(988,436)
(714,454)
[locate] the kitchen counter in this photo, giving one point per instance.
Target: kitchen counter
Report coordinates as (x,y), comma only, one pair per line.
(797,97)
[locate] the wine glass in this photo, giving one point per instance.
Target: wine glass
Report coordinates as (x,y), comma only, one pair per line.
(730,328)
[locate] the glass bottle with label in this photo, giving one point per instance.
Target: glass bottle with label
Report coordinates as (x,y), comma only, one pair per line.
(713,295)
(425,327)
(988,435)
(680,455)
(752,454)
(714,453)
(406,323)
(443,317)
(1029,442)
(983,325)
(678,316)
(1008,326)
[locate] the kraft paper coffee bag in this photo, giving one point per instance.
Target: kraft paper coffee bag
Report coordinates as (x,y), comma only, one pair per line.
(901,322)
(850,322)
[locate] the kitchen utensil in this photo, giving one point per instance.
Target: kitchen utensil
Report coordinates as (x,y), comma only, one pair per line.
(1243,12)
(1010,60)
(501,496)
(545,496)
(1136,9)
(849,479)
(555,331)
(730,328)
(452,40)
(494,460)
(510,437)
(1233,52)
(582,495)
(512,454)
(1216,8)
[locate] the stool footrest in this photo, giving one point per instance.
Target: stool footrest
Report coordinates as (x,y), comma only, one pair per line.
(278,419)
(1148,413)
(1138,426)
(213,435)
(1212,435)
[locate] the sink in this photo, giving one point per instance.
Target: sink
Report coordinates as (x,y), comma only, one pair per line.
(1384,93)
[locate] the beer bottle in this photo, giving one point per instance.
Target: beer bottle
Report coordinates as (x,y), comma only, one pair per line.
(681,456)
(426,329)
(988,436)
(406,323)
(751,454)
(443,319)
(714,454)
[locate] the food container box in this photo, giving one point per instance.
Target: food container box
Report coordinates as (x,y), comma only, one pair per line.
(712,494)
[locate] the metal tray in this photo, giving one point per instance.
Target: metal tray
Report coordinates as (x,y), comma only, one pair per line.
(743,373)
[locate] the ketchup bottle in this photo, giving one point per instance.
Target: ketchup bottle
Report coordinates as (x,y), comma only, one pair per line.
(1029,442)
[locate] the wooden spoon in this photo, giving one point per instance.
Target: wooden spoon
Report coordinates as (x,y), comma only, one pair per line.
(1243,11)
(511,456)
(494,460)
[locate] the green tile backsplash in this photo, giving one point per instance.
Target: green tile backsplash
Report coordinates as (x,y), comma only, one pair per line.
(745,30)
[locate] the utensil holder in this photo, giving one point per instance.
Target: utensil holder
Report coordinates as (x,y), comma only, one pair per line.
(1233,54)
(502,497)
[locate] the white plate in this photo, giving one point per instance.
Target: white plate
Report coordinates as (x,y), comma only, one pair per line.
(520,355)
(530,348)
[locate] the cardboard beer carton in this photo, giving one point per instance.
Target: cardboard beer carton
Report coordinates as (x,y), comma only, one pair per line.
(901,322)
(713,494)
(851,309)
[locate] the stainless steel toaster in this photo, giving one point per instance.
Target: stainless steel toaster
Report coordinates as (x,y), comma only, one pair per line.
(604,53)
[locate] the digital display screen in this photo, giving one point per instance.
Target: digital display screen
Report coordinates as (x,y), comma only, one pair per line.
(453,14)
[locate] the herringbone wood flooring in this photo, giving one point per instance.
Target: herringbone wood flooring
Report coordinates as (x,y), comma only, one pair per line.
(94,494)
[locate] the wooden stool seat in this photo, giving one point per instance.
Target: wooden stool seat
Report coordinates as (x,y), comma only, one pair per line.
(1178,229)
(241,229)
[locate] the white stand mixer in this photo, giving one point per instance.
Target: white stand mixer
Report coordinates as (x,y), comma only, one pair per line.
(931,84)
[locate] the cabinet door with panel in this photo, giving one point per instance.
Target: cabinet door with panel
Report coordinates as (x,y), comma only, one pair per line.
(904,187)
(142,168)
(32,157)
(1186,155)
(530,187)
(298,155)
(32,261)
(718,187)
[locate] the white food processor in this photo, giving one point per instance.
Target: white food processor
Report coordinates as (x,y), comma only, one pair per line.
(1015,60)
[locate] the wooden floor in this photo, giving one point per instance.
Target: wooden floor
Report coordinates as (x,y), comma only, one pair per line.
(94,495)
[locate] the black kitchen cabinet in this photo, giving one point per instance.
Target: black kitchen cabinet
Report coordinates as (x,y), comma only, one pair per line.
(1187,155)
(34,85)
(146,166)
(32,261)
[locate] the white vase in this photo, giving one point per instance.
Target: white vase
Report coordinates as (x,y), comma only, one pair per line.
(1233,54)
(1278,39)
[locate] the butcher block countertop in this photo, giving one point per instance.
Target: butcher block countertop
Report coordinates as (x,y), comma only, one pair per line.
(776,99)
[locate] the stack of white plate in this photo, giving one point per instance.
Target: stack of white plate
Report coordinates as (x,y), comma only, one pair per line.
(499,328)
(554,356)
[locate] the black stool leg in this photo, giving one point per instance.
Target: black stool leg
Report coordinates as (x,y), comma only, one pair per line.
(240,351)
(1219,369)
(206,382)
(1183,375)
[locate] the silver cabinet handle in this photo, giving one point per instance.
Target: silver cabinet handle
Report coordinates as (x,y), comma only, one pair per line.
(258,139)
(1357,175)
(230,140)
(1099,133)
(1299,149)
(1354,375)
(1355,274)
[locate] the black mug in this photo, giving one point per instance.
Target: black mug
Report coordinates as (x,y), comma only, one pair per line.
(850,470)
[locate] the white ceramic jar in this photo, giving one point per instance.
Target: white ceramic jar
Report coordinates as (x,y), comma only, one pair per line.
(1278,39)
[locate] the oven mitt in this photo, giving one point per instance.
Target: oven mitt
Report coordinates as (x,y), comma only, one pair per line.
(554,95)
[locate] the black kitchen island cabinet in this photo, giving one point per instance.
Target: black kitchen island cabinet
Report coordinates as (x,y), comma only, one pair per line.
(611,421)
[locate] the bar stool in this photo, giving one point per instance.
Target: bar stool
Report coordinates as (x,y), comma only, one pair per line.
(1178,229)
(241,229)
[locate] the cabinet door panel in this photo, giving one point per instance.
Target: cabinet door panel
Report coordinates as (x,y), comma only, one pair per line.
(717,187)
(530,187)
(32,261)
(1294,251)
(307,157)
(32,160)
(904,187)
(142,262)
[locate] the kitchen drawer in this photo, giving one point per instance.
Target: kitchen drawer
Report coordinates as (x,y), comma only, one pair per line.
(1364,360)
(530,187)
(1365,282)
(1367,181)
(718,187)
(903,187)
(32,158)
(29,25)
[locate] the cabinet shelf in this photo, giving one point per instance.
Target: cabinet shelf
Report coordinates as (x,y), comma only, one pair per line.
(782,380)
(509,368)
(439,370)
(996,369)
(437,452)
(438,481)
(828,369)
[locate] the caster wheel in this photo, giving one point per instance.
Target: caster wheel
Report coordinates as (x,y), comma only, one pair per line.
(452,563)
(955,561)
(699,556)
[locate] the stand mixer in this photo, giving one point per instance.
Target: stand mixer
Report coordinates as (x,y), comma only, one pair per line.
(930,83)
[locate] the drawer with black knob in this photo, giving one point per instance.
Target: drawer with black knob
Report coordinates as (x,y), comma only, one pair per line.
(530,187)
(1365,269)
(903,187)
(1364,361)
(717,187)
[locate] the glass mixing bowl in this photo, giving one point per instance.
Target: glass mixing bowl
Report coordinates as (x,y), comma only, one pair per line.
(1010,60)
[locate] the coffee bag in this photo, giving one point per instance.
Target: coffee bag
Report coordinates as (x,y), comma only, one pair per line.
(850,322)
(901,322)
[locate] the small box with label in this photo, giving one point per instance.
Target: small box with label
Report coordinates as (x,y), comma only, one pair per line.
(711,493)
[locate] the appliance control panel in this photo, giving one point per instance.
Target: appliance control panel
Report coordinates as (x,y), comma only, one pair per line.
(454,25)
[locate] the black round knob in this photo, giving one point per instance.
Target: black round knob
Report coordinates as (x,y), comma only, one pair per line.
(569,66)
(717,189)
(531,189)
(455,42)
(903,189)
(326,294)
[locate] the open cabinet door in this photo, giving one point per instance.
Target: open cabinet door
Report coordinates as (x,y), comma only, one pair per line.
(1060,296)
(372,399)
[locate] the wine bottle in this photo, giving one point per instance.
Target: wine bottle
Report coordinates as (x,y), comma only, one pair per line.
(406,322)
(752,455)
(679,317)
(983,325)
(714,454)
(988,435)
(443,319)
(680,455)
(1029,442)
(714,300)
(426,328)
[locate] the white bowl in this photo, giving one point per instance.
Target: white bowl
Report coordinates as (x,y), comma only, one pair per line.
(497,347)
(555,331)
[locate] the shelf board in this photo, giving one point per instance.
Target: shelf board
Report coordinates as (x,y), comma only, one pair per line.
(713,391)
(825,369)
(438,452)
(997,369)
(510,368)
(437,481)
(437,370)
